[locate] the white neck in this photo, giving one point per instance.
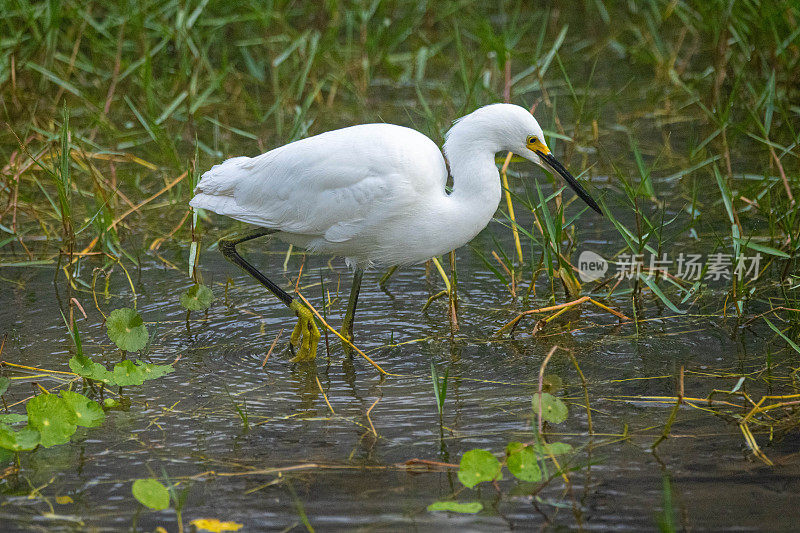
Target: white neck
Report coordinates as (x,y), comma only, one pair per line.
(476,187)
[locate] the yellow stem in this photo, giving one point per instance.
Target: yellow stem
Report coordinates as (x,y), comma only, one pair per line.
(510,207)
(325,396)
(441,273)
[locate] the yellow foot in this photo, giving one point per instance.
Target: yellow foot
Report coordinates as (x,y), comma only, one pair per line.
(305,337)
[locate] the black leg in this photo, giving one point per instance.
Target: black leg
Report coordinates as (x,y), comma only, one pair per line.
(385,278)
(228,248)
(350,314)
(306,334)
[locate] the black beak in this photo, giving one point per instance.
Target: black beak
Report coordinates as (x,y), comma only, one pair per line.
(553,163)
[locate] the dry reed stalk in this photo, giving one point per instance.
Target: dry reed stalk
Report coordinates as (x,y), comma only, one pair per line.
(272,347)
(561,308)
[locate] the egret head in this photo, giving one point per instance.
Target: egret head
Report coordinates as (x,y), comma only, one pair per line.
(508,127)
(533,148)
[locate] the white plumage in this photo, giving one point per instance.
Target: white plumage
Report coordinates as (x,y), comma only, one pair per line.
(375,193)
(333,192)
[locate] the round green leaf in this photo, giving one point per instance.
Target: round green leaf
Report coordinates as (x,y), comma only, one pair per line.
(477,466)
(126,329)
(521,462)
(552,383)
(85,367)
(88,413)
(81,365)
(456,507)
(197,298)
(111,403)
(152,371)
(53,418)
(6,456)
(553,409)
(553,448)
(151,493)
(514,447)
(13,418)
(25,439)
(136,372)
(126,373)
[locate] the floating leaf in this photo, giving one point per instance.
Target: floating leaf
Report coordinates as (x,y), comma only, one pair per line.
(553,409)
(53,418)
(152,371)
(63,500)
(197,298)
(553,448)
(4,383)
(521,461)
(514,447)
(24,439)
(552,383)
(456,507)
(13,418)
(151,493)
(214,525)
(82,365)
(85,367)
(88,413)
(111,403)
(126,329)
(6,456)
(126,373)
(477,466)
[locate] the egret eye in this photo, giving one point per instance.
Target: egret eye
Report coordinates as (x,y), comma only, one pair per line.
(531,139)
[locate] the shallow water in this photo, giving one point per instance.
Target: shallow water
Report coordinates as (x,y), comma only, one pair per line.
(185,425)
(344,466)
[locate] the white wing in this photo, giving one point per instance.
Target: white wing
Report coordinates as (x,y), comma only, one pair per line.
(332,185)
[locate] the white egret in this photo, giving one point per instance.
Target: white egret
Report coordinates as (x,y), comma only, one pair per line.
(373,194)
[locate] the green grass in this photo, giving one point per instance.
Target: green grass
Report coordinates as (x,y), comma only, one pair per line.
(685,115)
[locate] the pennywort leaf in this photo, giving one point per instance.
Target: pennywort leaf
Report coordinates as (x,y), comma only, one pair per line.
(88,413)
(197,298)
(151,493)
(478,466)
(553,409)
(456,507)
(126,329)
(52,417)
(522,463)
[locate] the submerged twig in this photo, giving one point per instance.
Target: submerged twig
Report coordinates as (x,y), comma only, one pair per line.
(325,396)
(783,176)
(541,385)
(561,308)
(371,425)
(672,415)
(271,347)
